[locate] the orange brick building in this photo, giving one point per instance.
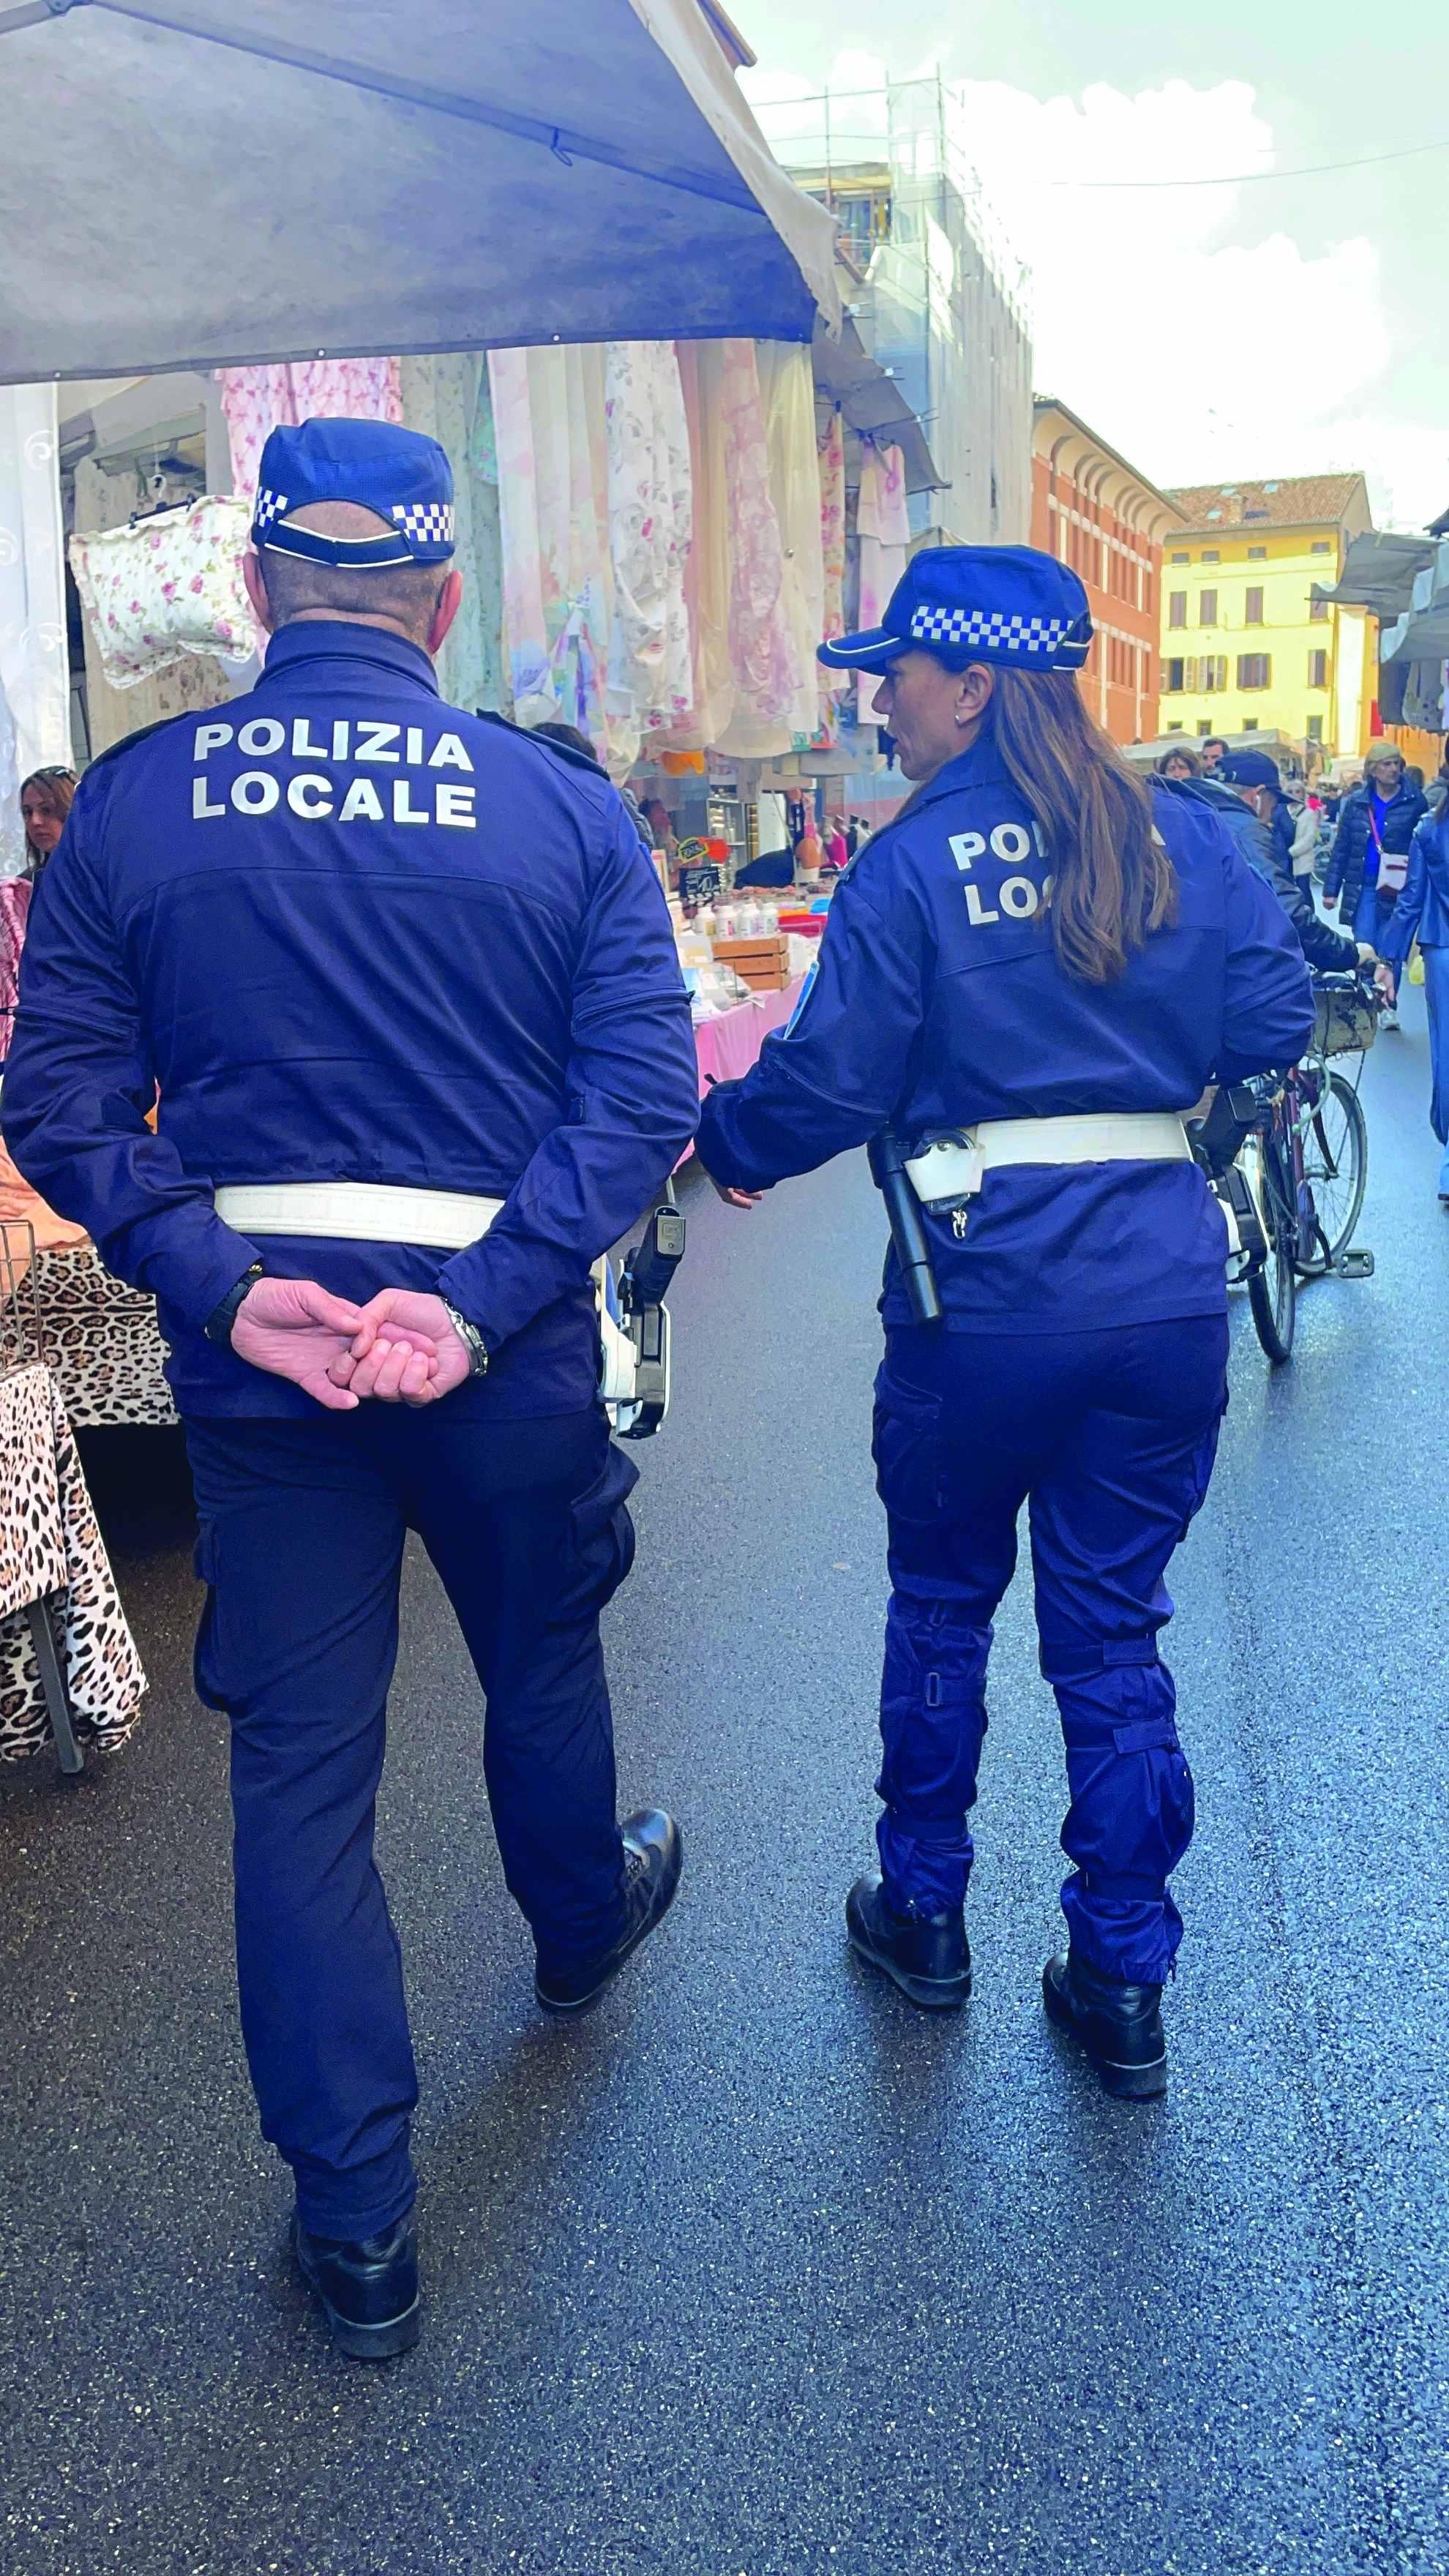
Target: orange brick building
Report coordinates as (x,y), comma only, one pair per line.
(1093,510)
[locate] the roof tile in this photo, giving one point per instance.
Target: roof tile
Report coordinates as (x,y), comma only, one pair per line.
(1290,501)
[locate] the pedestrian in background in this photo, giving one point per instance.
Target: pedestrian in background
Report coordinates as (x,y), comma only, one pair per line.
(1422,912)
(46,797)
(1214,751)
(1179,763)
(1367,870)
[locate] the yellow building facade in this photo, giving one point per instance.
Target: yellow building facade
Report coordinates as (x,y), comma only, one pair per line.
(1245,647)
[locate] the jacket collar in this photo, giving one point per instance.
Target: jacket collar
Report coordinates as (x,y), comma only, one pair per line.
(325,639)
(980,765)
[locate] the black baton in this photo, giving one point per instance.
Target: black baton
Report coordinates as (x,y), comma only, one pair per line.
(908,1234)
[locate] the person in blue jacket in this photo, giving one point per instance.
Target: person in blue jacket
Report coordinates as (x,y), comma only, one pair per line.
(1028,978)
(1422,912)
(405,983)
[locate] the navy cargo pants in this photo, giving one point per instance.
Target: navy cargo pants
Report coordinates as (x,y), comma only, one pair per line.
(1111,1436)
(302,1532)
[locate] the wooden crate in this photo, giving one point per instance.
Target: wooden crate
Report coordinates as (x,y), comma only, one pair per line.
(760,963)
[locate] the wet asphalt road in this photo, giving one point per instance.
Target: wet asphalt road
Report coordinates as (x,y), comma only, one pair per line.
(759,2273)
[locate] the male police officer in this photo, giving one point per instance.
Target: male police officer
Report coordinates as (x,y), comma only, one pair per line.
(405,982)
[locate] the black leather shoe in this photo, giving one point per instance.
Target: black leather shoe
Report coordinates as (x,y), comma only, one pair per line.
(653,1859)
(370,2291)
(1119,2027)
(926,1955)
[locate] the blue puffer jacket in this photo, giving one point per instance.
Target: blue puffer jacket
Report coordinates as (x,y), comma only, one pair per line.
(1351,842)
(1423,907)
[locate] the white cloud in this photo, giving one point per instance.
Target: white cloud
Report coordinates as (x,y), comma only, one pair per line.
(1183,323)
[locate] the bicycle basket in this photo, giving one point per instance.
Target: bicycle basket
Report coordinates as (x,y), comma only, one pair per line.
(1346,1023)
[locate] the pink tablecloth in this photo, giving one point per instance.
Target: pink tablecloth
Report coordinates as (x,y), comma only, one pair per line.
(728,1046)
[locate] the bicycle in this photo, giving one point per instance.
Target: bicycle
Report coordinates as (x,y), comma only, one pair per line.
(1294,1187)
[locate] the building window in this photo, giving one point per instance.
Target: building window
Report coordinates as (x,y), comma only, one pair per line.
(1177,608)
(1318,611)
(1257,554)
(1315,728)
(1321,546)
(1207,608)
(1175,728)
(1250,724)
(1255,670)
(1172,677)
(1252,608)
(1210,555)
(1179,558)
(1204,724)
(1212,673)
(1318,670)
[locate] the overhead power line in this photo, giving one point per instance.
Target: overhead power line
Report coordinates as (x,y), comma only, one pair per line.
(1260,178)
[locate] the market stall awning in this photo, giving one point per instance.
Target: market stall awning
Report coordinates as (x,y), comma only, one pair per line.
(1379,571)
(1422,633)
(872,405)
(210,182)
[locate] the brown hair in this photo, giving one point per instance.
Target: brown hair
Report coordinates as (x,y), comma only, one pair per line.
(1112,882)
(1179,751)
(57,787)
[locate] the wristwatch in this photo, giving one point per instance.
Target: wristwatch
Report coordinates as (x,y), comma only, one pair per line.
(471,1339)
(219,1322)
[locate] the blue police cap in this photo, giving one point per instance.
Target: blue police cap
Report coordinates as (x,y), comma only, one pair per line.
(401,476)
(1008,604)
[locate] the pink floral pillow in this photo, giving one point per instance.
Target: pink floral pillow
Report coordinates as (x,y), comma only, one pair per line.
(170,586)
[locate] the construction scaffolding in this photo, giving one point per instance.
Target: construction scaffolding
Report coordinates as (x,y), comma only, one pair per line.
(942,302)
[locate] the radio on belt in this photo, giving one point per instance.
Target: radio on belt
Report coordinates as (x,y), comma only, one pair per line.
(636,1345)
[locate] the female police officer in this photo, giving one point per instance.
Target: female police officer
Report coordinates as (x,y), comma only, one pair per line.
(1027,978)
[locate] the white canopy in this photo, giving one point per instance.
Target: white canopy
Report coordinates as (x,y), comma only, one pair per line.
(211,182)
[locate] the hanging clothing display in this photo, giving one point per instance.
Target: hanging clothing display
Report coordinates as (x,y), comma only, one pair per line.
(787,395)
(884,529)
(558,590)
(15,895)
(191,683)
(766,679)
(831,448)
(256,400)
(708,572)
(651,505)
(447,398)
(34,669)
(164,588)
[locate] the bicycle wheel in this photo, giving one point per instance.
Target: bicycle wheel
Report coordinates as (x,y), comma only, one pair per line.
(1273,1293)
(1335,1175)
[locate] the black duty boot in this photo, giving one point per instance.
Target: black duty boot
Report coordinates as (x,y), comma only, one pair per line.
(926,1955)
(653,1859)
(370,2291)
(1118,2026)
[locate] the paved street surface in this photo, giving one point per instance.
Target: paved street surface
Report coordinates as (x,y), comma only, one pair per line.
(757,2272)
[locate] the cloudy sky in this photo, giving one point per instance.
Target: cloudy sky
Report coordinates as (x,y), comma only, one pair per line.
(1274,326)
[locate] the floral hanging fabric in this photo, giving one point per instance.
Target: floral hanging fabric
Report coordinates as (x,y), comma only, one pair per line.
(257,400)
(831,451)
(883,525)
(766,676)
(558,592)
(651,522)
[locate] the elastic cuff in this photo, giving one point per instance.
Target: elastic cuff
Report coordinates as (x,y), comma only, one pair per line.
(347,2226)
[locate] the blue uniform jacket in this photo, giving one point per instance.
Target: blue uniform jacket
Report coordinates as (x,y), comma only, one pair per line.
(1423,908)
(938,1001)
(353,934)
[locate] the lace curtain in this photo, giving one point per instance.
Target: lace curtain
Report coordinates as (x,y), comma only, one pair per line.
(34,669)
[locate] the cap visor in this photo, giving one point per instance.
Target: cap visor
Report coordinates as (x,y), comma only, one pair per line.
(868,652)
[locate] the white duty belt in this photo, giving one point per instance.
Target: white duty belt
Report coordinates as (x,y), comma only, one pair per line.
(952,1169)
(358,1212)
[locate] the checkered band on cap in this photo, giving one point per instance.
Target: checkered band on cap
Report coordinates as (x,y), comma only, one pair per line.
(270,506)
(425,523)
(989,628)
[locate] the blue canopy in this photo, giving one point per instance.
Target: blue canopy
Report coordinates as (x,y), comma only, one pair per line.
(197,183)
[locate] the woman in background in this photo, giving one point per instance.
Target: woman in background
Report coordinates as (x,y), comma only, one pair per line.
(45,801)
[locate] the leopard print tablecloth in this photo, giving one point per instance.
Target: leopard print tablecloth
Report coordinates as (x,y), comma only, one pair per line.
(105,1682)
(100,1342)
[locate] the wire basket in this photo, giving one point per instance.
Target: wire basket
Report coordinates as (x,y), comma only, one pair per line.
(1346,1023)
